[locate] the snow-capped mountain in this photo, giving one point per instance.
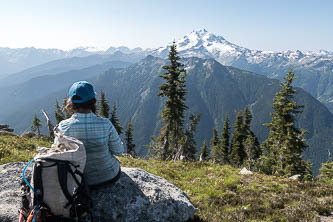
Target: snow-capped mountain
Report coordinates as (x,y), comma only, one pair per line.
(201,43)
(314,70)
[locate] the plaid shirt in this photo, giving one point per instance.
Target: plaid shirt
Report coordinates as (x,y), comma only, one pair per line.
(101,141)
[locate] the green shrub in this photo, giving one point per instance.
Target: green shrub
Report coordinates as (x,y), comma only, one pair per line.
(326,172)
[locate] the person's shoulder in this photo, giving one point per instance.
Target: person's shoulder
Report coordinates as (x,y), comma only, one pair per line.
(102,119)
(66,122)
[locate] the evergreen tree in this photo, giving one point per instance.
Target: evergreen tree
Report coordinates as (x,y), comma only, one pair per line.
(285,144)
(114,119)
(326,171)
(238,154)
(203,151)
(129,140)
(247,118)
(251,143)
(173,113)
(58,113)
(223,158)
(104,107)
(251,146)
(36,125)
(188,144)
(215,146)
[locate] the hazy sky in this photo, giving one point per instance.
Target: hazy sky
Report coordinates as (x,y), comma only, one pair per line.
(255,24)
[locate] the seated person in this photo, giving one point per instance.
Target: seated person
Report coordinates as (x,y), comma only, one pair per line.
(98,135)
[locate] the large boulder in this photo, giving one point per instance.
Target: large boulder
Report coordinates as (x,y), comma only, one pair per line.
(136,196)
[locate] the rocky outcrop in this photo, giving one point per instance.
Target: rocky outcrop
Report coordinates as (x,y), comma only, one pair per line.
(5,128)
(136,196)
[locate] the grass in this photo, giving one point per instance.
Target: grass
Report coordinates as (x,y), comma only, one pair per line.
(15,148)
(219,192)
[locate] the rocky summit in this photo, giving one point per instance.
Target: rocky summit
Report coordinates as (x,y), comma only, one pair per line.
(136,196)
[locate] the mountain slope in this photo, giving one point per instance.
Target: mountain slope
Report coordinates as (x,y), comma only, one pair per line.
(314,70)
(65,65)
(213,90)
(25,93)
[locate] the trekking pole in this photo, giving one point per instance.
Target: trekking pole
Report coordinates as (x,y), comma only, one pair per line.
(21,216)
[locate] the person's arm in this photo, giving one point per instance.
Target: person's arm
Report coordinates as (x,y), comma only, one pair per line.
(116,146)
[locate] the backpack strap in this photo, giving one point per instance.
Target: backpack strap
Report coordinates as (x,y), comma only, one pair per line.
(63,169)
(38,183)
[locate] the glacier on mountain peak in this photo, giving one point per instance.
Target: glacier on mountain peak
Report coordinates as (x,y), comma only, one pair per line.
(203,44)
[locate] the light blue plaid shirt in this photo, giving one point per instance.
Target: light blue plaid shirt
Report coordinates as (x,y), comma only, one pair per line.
(101,141)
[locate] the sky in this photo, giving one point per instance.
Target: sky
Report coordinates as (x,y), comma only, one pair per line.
(255,24)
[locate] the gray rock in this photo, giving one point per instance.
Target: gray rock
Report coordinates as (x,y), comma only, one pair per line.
(245,171)
(136,196)
(295,177)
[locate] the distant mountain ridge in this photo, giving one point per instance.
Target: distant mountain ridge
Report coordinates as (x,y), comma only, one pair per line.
(68,64)
(200,43)
(17,59)
(314,70)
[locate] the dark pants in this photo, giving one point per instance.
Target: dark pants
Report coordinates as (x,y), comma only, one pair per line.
(106,183)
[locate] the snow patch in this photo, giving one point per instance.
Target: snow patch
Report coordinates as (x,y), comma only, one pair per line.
(144,94)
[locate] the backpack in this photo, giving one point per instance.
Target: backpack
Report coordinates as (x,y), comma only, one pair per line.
(57,191)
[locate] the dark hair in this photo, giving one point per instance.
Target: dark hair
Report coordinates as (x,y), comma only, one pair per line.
(74,107)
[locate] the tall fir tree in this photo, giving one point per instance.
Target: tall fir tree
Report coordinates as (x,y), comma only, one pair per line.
(203,151)
(225,137)
(58,113)
(285,143)
(238,154)
(115,120)
(173,113)
(129,140)
(103,105)
(36,125)
(215,146)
